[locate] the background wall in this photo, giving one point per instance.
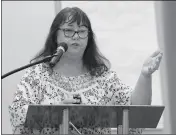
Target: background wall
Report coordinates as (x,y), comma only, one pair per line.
(25,26)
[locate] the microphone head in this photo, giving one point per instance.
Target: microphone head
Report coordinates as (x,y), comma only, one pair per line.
(64,45)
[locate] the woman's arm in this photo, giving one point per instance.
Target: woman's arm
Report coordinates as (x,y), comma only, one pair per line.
(142,95)
(28,91)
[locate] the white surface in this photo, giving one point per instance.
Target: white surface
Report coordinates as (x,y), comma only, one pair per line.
(25,25)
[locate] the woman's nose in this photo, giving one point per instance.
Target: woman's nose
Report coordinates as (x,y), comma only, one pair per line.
(75,36)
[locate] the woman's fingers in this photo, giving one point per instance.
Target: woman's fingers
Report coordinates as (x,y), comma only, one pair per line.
(72,99)
(156,53)
(152,63)
(157,61)
(69,101)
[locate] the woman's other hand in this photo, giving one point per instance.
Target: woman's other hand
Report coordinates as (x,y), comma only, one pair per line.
(72,99)
(152,63)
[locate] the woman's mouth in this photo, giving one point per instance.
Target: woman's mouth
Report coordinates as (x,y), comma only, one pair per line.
(75,44)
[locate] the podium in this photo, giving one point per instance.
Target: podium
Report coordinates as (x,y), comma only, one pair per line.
(133,116)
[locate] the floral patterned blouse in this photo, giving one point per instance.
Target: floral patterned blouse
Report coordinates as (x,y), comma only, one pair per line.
(39,86)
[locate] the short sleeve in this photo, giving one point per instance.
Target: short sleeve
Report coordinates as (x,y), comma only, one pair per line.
(28,92)
(118,92)
(122,94)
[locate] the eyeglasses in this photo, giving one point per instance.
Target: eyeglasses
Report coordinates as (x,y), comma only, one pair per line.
(70,33)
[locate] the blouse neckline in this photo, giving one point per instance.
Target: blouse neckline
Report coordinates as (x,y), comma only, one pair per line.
(70,77)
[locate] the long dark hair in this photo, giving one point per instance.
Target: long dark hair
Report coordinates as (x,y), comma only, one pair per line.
(93,60)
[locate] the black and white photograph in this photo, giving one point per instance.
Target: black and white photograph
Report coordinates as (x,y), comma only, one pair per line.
(88,67)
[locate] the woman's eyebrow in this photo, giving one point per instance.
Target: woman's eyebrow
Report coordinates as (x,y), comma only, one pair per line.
(83,26)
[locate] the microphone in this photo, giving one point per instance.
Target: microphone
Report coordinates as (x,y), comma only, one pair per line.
(62,48)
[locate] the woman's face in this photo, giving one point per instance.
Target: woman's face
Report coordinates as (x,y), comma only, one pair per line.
(75,36)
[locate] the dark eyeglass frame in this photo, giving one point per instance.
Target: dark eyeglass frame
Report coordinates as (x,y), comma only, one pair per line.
(64,29)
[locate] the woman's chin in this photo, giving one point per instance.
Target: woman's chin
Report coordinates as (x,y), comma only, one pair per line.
(73,54)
